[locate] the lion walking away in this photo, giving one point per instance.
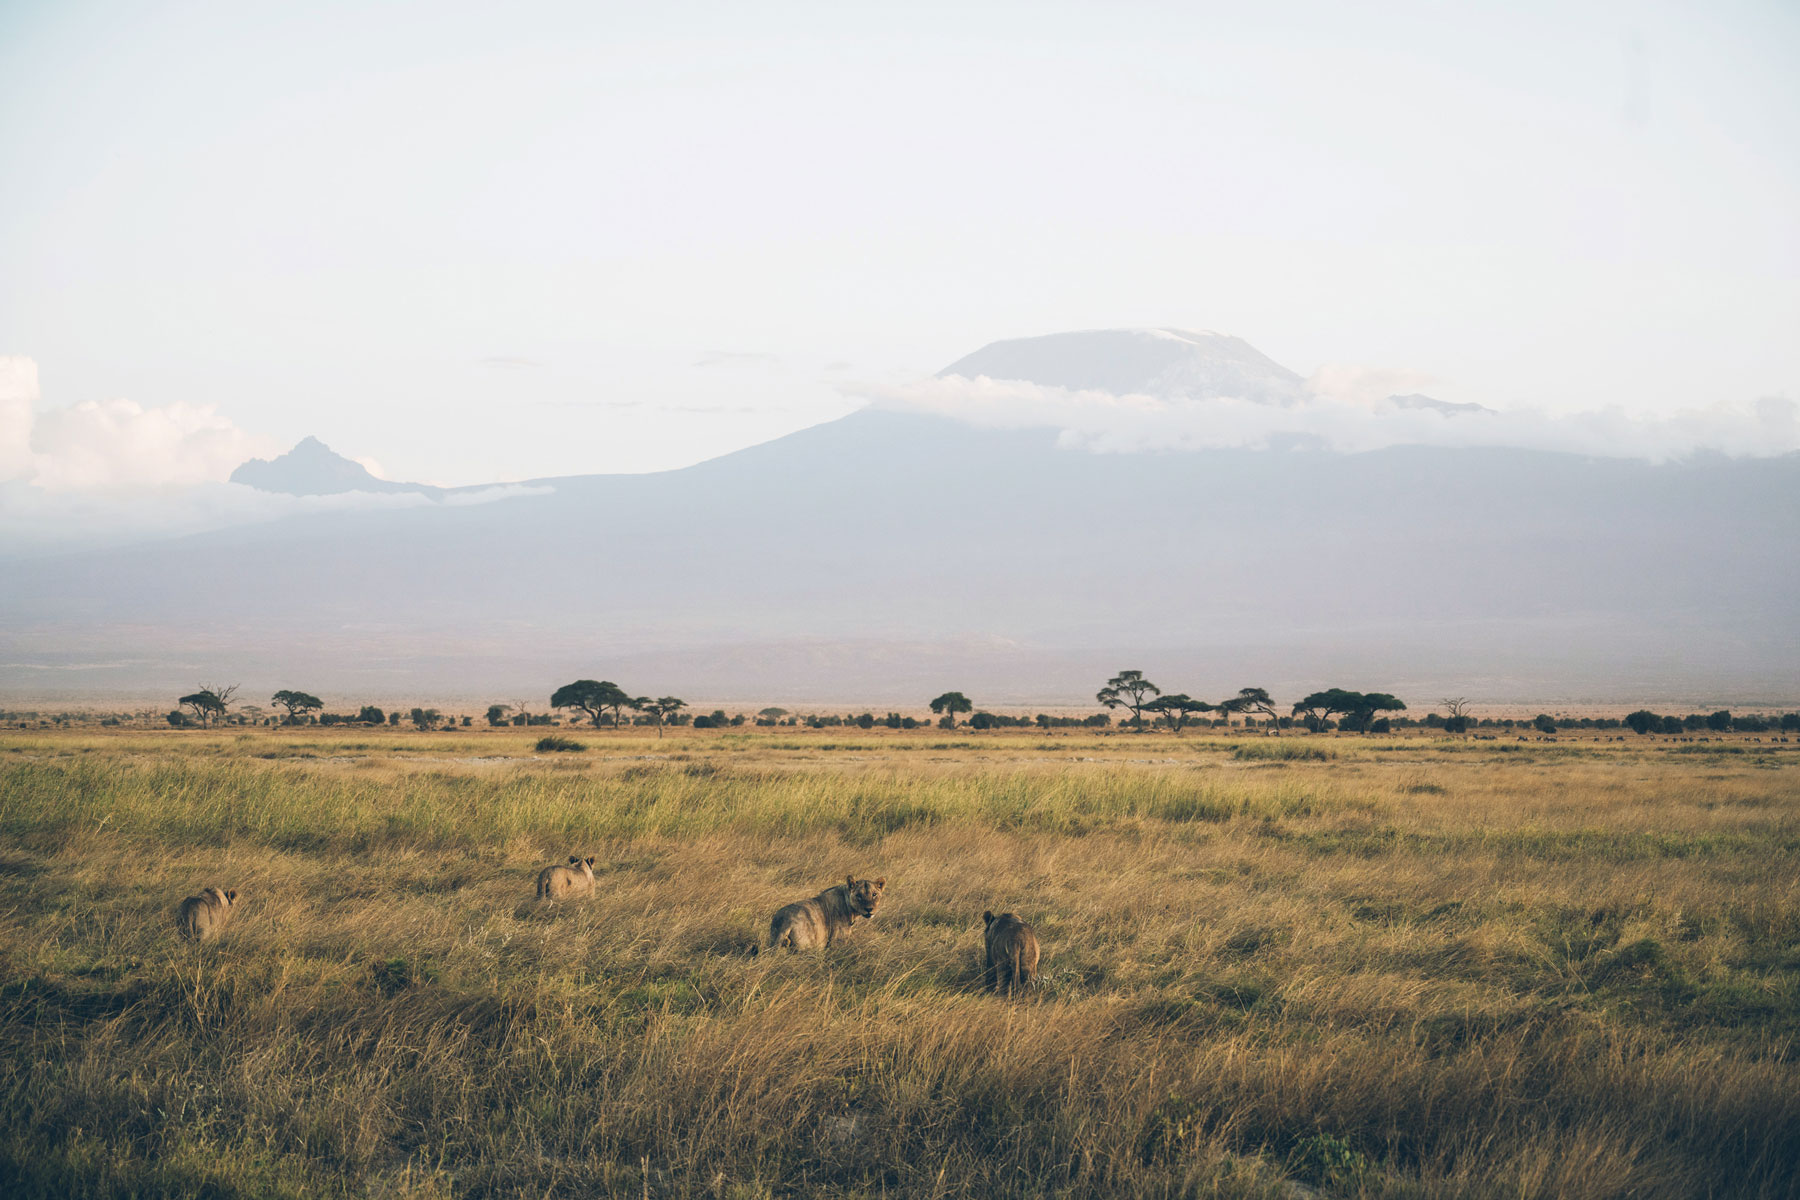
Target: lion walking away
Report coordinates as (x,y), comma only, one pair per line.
(827,916)
(204,916)
(1012,953)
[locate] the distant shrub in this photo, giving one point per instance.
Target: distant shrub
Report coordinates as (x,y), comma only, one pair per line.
(547,745)
(1274,751)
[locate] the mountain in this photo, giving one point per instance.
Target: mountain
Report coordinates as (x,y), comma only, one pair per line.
(1448,408)
(313,469)
(1169,364)
(891,555)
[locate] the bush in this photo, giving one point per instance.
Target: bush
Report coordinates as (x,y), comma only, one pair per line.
(179,719)
(554,744)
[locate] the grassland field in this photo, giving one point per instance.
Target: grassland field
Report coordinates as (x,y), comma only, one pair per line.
(1410,966)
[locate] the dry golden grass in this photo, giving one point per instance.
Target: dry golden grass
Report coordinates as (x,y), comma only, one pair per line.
(1409,967)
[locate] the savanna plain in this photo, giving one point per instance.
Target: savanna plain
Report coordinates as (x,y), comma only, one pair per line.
(1401,966)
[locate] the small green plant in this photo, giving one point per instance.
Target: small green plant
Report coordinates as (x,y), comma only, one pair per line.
(551,744)
(1330,1161)
(392,975)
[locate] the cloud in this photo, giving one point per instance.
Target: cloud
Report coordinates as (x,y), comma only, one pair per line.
(510,363)
(1343,418)
(1367,387)
(114,443)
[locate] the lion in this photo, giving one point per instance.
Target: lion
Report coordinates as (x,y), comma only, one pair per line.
(1012,952)
(819,921)
(559,882)
(204,916)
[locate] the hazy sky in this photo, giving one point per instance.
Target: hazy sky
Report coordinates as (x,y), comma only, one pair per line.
(498,241)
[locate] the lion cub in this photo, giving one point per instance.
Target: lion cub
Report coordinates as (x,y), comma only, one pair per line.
(204,916)
(817,922)
(559,882)
(1012,952)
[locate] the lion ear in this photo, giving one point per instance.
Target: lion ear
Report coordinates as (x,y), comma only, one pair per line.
(987,918)
(589,860)
(231,896)
(575,860)
(849,881)
(882,882)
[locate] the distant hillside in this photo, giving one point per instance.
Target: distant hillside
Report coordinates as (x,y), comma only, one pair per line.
(313,469)
(889,556)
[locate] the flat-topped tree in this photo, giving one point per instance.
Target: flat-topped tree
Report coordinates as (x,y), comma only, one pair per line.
(296,703)
(1129,689)
(949,704)
(660,709)
(1357,709)
(210,702)
(1177,709)
(595,697)
(1254,700)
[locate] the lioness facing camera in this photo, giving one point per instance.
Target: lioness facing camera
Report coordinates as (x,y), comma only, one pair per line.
(817,922)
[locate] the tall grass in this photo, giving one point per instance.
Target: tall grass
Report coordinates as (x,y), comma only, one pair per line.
(1405,973)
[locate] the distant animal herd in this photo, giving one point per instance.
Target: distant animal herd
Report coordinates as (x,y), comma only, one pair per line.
(1010,945)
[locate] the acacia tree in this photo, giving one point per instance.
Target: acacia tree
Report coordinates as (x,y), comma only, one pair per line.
(209,703)
(296,703)
(1254,700)
(1358,709)
(949,704)
(660,709)
(1177,709)
(1128,689)
(1458,720)
(496,713)
(595,697)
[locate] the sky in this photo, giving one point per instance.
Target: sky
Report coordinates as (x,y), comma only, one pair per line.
(467,244)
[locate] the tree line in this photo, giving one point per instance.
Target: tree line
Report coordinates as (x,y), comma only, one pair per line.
(604,703)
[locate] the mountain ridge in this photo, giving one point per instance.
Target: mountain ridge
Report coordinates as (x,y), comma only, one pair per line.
(312,468)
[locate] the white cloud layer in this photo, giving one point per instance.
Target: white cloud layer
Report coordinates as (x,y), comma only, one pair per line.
(1347,410)
(116,444)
